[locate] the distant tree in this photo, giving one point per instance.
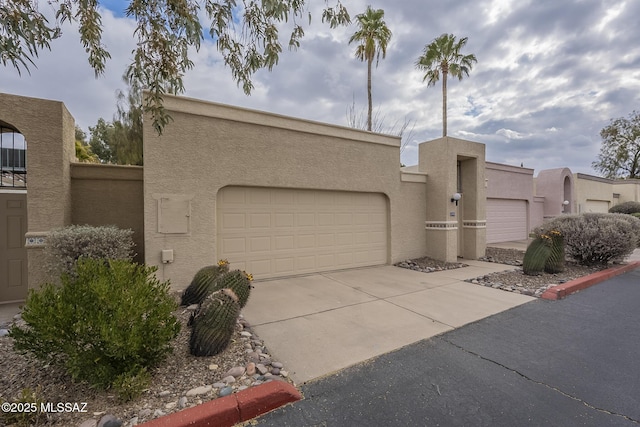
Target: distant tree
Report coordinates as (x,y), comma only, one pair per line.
(404,130)
(443,56)
(83,150)
(120,141)
(373,36)
(167,31)
(620,152)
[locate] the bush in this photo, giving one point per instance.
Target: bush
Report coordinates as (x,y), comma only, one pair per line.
(66,245)
(594,238)
(107,325)
(636,214)
(626,208)
(634,222)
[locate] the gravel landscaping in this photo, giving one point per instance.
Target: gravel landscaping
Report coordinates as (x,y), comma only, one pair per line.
(511,280)
(182,381)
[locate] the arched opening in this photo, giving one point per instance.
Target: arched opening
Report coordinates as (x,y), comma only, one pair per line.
(567,197)
(13,157)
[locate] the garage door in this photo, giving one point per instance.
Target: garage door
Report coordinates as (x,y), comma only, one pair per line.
(506,220)
(272,232)
(601,206)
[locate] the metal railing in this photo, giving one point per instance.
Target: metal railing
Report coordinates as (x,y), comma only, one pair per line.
(13,159)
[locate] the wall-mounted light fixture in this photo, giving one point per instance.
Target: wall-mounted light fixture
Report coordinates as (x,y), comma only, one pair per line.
(456,197)
(564,205)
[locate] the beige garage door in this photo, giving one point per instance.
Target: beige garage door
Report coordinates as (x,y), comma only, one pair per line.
(600,206)
(272,232)
(506,220)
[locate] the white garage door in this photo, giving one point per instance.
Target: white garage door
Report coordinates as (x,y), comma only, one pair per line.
(273,232)
(506,220)
(600,206)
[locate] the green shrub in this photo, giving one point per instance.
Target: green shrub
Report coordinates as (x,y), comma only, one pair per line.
(634,222)
(107,325)
(626,208)
(66,245)
(594,238)
(636,214)
(30,414)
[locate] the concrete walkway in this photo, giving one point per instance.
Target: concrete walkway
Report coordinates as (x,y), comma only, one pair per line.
(318,324)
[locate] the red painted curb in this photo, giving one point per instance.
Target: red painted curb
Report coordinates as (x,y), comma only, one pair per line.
(230,410)
(561,291)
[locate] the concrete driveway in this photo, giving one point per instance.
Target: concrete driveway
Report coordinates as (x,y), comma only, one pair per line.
(318,324)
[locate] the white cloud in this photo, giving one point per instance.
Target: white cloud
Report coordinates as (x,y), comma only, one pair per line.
(545,73)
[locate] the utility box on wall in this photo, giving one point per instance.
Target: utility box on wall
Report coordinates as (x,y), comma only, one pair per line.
(174,213)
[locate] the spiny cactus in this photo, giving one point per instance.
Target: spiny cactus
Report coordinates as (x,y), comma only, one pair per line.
(536,256)
(555,262)
(203,283)
(239,282)
(214,323)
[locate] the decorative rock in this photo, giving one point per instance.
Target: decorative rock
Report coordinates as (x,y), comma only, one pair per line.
(164,393)
(109,421)
(182,403)
(246,334)
(261,368)
(144,413)
(158,413)
(226,391)
(4,332)
(171,405)
(275,371)
(213,367)
(133,421)
(277,365)
(193,307)
(229,380)
(199,390)
(284,374)
(89,423)
(235,372)
(251,369)
(219,385)
(254,357)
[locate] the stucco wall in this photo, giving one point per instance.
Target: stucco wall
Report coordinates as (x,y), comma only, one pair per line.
(452,230)
(629,190)
(556,186)
(109,195)
(209,146)
(49,130)
(592,189)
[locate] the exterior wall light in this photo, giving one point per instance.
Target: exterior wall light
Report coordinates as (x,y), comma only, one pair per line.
(564,205)
(456,197)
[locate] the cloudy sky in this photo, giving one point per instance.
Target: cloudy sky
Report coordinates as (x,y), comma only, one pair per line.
(550,75)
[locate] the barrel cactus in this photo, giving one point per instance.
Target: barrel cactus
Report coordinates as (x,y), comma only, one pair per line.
(214,323)
(536,255)
(239,282)
(555,262)
(203,283)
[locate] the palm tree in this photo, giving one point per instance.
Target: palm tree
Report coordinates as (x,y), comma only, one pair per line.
(443,55)
(373,36)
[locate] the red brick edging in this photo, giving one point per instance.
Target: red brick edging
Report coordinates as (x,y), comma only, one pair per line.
(561,291)
(235,408)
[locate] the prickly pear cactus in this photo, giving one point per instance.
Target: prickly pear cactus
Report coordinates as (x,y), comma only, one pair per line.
(239,282)
(555,262)
(203,283)
(214,323)
(536,255)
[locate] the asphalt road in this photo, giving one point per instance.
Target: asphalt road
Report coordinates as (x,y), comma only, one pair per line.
(574,362)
